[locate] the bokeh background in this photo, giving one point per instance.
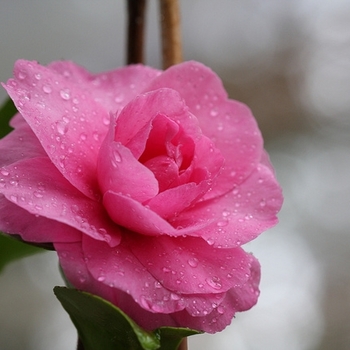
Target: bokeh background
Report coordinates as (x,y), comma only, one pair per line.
(289,60)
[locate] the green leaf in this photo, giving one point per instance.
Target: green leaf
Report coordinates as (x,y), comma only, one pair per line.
(101,325)
(12,249)
(7,111)
(170,337)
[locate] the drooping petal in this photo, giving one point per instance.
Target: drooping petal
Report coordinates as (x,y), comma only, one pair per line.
(17,221)
(240,215)
(47,193)
(118,267)
(68,122)
(190,265)
(230,124)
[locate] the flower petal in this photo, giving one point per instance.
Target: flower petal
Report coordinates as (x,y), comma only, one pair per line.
(240,215)
(230,124)
(47,193)
(190,265)
(68,122)
(19,144)
(119,171)
(118,267)
(17,221)
(140,112)
(131,214)
(114,89)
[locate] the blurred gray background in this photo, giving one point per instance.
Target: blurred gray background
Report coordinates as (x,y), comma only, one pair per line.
(289,60)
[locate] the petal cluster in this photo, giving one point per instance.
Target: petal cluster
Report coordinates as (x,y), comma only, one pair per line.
(146,182)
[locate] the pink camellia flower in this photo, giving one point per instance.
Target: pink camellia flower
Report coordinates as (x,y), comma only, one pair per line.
(146,182)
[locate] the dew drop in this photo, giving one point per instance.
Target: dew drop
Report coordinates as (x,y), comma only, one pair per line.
(83,136)
(61,127)
(222,223)
(22,75)
(38,194)
(210,241)
(117,157)
(37,76)
(262,203)
(47,89)
(193,262)
(65,94)
(214,112)
(106,121)
(174,296)
(101,278)
(214,282)
(4,172)
(157,284)
(13,198)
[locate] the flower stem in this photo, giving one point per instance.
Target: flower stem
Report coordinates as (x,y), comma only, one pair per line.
(171,33)
(136,24)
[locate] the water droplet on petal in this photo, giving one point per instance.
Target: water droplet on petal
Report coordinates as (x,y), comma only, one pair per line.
(61,127)
(37,76)
(47,89)
(22,75)
(214,282)
(214,112)
(13,198)
(65,94)
(193,262)
(116,156)
(106,121)
(262,203)
(101,278)
(4,172)
(222,223)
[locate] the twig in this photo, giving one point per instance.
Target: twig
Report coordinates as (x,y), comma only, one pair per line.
(136,24)
(171,33)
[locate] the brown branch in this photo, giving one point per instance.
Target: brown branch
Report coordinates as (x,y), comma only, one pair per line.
(171,33)
(136,24)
